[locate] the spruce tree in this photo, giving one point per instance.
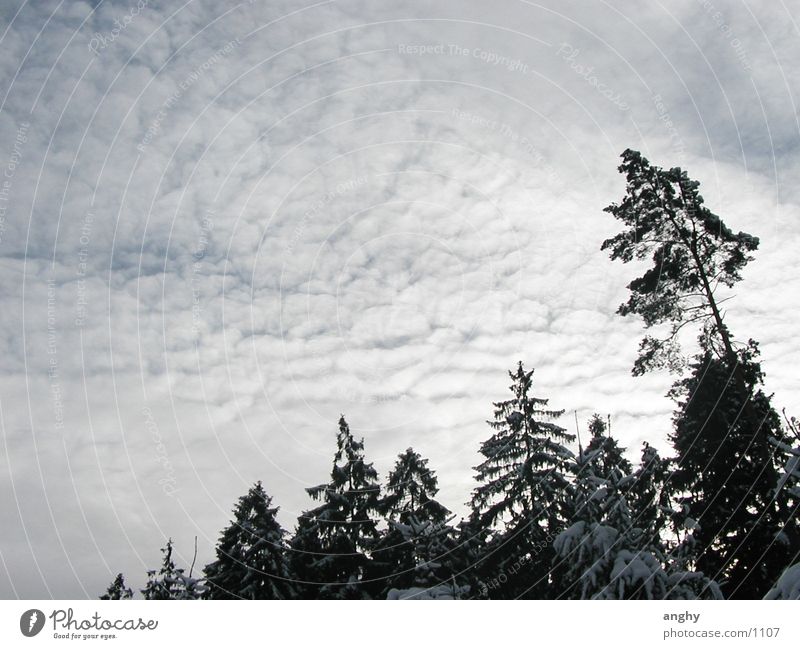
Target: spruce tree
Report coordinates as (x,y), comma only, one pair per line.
(166,582)
(432,576)
(410,491)
(727,473)
(649,498)
(603,554)
(252,560)
(415,549)
(788,488)
(118,589)
(332,541)
(468,558)
(522,491)
(612,456)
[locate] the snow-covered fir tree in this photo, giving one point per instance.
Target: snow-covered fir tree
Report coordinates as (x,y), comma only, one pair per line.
(667,532)
(118,589)
(432,576)
(170,582)
(602,555)
(523,489)
(410,490)
(612,458)
(414,549)
(252,561)
(330,548)
(788,491)
(788,488)
(467,559)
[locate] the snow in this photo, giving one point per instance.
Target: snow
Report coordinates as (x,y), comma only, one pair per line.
(441,591)
(692,585)
(788,586)
(634,570)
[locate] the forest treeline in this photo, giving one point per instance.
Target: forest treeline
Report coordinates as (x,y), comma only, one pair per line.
(549,516)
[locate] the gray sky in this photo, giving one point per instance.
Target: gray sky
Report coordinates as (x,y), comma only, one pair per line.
(225,224)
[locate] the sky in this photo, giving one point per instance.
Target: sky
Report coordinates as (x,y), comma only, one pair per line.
(224,224)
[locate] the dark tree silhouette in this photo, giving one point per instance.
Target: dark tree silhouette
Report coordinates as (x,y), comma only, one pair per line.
(170,582)
(693,253)
(252,560)
(118,589)
(727,474)
(522,487)
(414,550)
(612,456)
(332,542)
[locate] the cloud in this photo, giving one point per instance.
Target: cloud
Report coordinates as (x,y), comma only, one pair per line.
(225,225)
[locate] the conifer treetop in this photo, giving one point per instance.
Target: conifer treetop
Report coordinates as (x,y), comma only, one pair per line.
(693,253)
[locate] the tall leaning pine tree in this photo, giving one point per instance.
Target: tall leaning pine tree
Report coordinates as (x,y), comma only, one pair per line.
(724,419)
(523,488)
(330,548)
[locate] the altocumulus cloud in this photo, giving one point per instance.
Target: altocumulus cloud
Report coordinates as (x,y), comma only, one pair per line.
(224,224)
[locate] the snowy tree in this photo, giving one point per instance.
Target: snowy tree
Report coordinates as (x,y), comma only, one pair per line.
(252,560)
(602,554)
(788,586)
(611,459)
(163,583)
(410,491)
(522,488)
(414,549)
(332,542)
(789,481)
(614,547)
(727,473)
(468,557)
(432,575)
(170,582)
(666,530)
(118,589)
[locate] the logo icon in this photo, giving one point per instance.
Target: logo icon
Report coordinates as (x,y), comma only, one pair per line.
(31,622)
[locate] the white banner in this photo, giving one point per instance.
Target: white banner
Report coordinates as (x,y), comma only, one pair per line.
(409,624)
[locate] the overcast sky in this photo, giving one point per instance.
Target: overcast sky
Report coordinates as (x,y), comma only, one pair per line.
(222,225)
